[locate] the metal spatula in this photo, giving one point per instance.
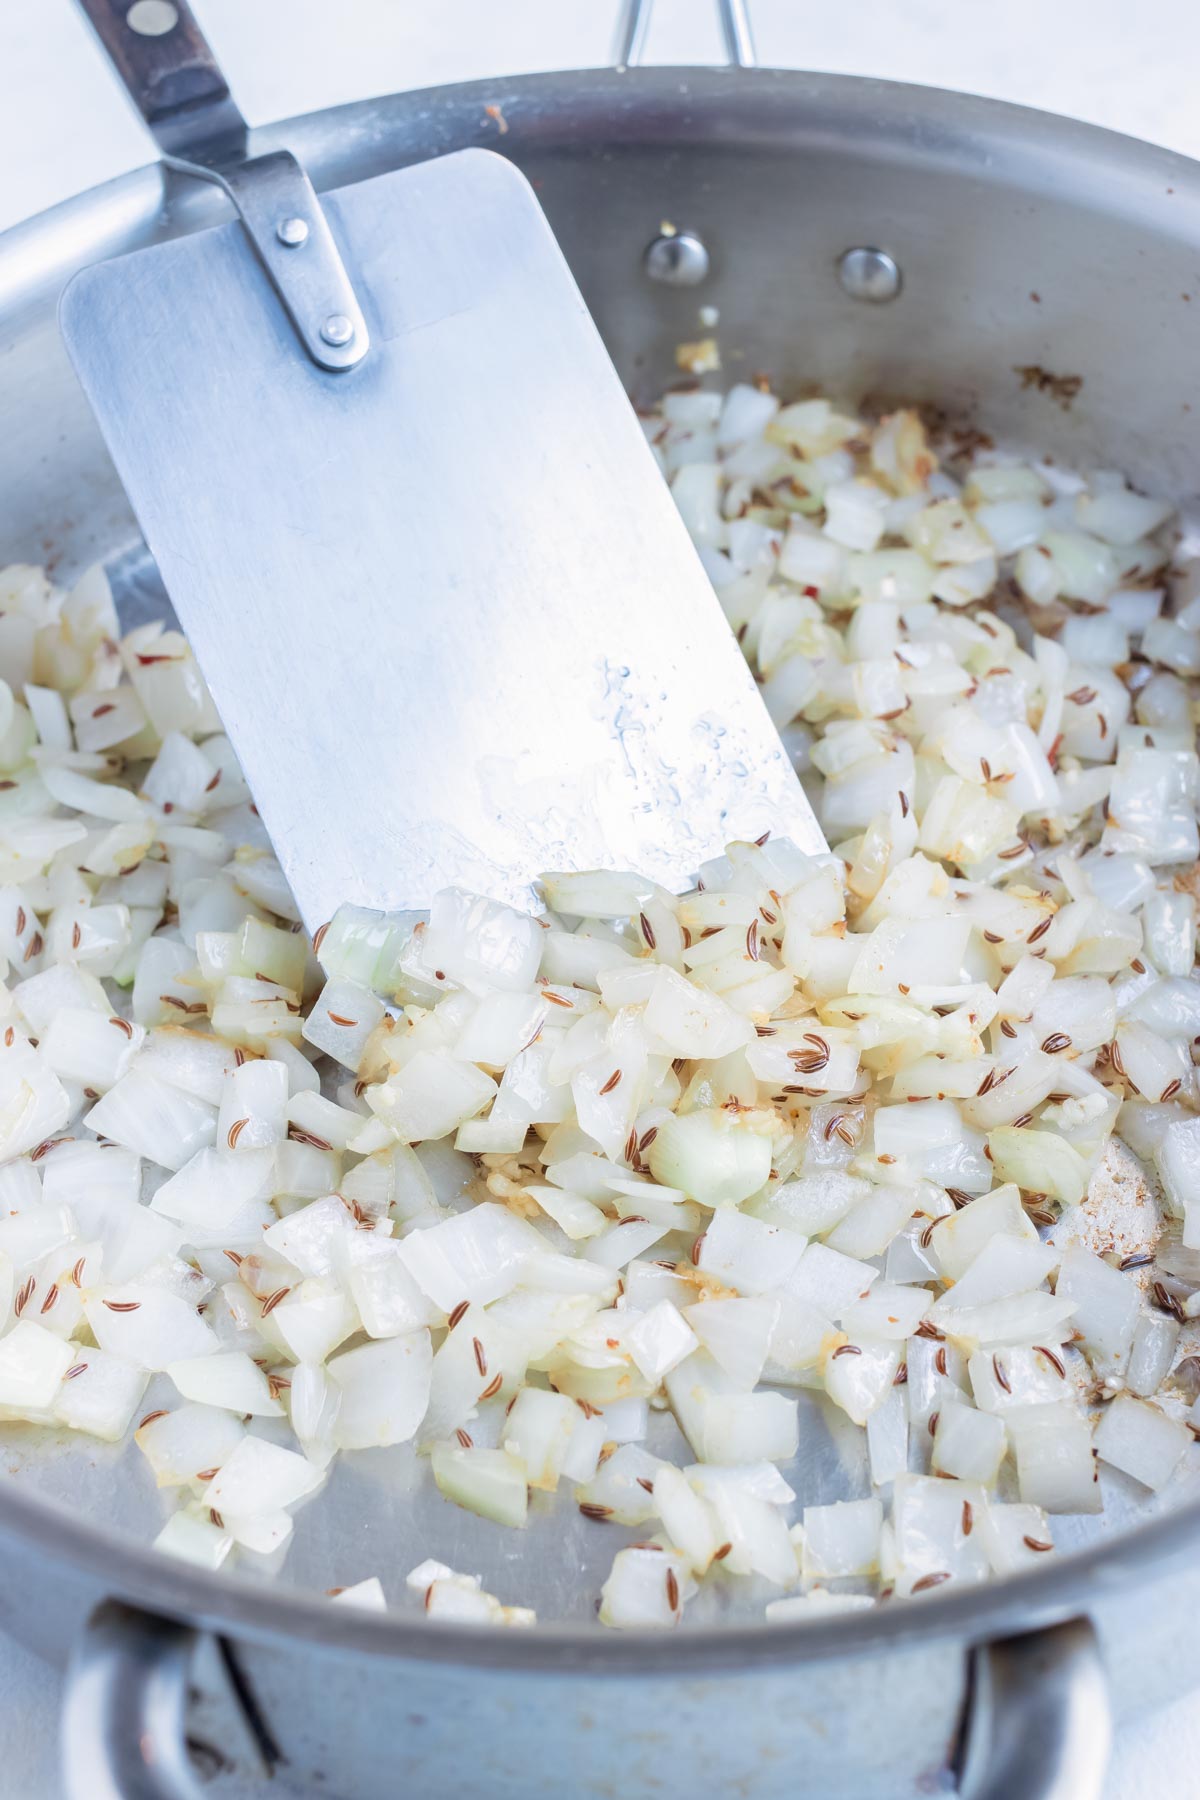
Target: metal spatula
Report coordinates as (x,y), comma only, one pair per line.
(450,617)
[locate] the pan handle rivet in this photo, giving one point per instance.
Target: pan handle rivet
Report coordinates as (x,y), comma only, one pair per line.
(676,258)
(337,330)
(868,274)
(292,232)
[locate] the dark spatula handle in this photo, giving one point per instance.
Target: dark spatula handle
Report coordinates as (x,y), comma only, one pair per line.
(162,56)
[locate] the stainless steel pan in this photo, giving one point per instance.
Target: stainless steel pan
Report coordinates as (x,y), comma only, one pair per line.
(1017,242)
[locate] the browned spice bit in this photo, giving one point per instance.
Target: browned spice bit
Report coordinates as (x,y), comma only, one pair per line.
(926,1330)
(933,1423)
(207,1474)
(611,1083)
(555,999)
(464,1438)
(903,804)
(234,1256)
(647,932)
(216,1518)
(337,1019)
(151,1416)
(1055,1361)
(926,1237)
(1033,1543)
(1020,1123)
(277,1384)
(319,937)
(939,1361)
(480,1355)
(457,1314)
(587,1409)
(901,1375)
(1171,1089)
(122,1306)
(846,1350)
(184,1006)
(930,1581)
(9,1035)
(957,1198)
(720,1554)
(51,1297)
(1039,931)
(1001,1377)
(1137,1261)
(46,1147)
(644,1482)
(1058,1040)
(752,941)
(968,1518)
(591,1509)
(235,1131)
(672,1590)
(273,1300)
(696,1248)
(1165,1301)
(1082,696)
(77,1370)
(35,945)
(986,1085)
(24,1296)
(77,1272)
(76,936)
(299,1136)
(1138,966)
(122,1025)
(646,1139)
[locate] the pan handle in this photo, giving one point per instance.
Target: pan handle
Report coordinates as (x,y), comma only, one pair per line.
(734,19)
(1038,1722)
(123,1734)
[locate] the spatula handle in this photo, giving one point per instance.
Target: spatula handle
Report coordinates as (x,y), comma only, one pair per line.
(171,74)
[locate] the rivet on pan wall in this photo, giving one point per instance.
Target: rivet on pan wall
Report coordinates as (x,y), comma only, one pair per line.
(676,258)
(868,274)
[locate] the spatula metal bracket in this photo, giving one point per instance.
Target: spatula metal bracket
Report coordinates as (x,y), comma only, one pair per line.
(174,81)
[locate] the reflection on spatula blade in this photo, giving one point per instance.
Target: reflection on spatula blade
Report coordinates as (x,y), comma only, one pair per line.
(451,619)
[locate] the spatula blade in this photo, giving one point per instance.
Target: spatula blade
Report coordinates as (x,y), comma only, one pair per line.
(452,621)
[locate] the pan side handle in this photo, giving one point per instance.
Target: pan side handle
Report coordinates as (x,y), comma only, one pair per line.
(1038,1723)
(123,1732)
(733,17)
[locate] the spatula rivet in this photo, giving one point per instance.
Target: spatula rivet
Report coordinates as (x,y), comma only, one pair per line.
(337,330)
(292,232)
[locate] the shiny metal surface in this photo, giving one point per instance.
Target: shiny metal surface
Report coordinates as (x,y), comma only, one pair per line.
(677,259)
(733,17)
(304,263)
(469,639)
(1038,1722)
(868,274)
(986,207)
(125,1708)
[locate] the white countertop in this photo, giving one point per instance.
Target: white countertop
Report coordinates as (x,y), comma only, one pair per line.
(64,124)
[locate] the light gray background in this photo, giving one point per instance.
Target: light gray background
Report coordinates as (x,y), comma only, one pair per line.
(1132,65)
